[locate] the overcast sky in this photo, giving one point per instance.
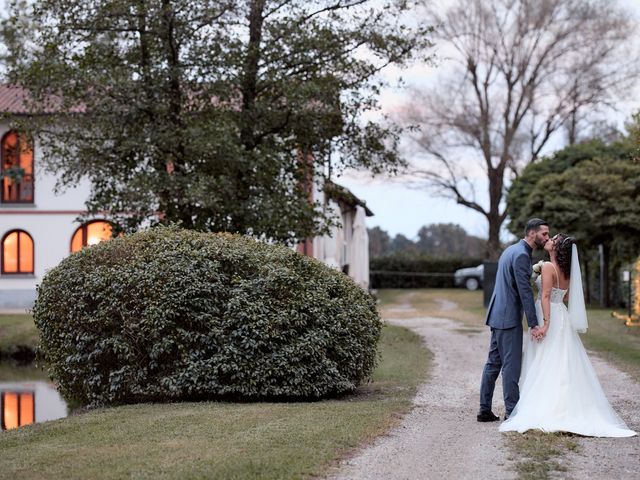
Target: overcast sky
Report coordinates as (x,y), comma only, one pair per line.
(401,209)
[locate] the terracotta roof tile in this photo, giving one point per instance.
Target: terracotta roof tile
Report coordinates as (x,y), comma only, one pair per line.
(13,99)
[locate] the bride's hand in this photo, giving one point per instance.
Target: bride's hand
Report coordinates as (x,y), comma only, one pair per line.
(535,333)
(542,332)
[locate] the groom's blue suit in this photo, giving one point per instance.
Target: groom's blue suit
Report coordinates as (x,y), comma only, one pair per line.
(512,294)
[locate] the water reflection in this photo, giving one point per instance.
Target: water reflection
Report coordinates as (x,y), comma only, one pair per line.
(23,403)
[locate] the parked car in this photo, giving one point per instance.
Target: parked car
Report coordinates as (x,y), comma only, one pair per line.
(470,278)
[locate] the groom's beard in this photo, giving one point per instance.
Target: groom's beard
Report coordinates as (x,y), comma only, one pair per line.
(539,243)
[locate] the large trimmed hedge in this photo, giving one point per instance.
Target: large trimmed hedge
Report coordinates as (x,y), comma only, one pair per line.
(395,270)
(169,314)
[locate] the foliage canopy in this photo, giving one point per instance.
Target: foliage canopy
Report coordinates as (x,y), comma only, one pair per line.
(209,113)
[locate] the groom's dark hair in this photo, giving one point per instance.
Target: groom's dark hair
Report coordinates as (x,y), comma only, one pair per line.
(534,224)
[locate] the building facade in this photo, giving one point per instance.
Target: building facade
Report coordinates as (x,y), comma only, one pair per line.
(39,227)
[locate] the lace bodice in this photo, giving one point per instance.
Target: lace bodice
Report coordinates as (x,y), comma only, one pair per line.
(557,294)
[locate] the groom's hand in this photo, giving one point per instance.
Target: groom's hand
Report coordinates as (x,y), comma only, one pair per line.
(537,334)
(534,333)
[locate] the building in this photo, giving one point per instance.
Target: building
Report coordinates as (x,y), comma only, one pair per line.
(347,247)
(39,227)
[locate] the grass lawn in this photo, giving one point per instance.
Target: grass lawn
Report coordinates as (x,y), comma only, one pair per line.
(221,440)
(14,373)
(613,340)
(17,329)
(433,302)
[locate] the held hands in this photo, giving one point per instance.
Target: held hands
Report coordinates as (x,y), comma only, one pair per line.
(538,333)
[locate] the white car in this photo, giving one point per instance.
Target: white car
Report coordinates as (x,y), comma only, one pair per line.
(470,278)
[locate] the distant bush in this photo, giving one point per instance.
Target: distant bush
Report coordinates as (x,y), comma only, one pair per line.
(398,268)
(168,314)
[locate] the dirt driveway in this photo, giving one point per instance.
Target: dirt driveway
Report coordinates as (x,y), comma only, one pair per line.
(441,439)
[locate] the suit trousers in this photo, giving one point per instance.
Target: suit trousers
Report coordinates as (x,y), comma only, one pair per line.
(505,353)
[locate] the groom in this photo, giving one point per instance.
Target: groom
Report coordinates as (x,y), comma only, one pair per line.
(511,295)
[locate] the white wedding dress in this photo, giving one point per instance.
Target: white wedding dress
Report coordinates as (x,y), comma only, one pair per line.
(559,389)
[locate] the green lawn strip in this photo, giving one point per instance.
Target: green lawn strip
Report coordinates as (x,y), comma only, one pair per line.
(221,440)
(614,341)
(391,296)
(425,303)
(17,329)
(13,373)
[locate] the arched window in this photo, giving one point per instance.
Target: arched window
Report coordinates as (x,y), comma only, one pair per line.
(90,233)
(17,168)
(17,252)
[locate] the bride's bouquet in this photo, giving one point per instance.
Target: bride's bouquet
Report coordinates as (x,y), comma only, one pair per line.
(536,270)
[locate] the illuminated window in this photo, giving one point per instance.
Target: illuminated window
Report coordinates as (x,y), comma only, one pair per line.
(90,234)
(17,168)
(17,252)
(18,409)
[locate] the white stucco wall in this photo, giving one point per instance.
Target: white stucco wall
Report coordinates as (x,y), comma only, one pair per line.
(51,222)
(336,250)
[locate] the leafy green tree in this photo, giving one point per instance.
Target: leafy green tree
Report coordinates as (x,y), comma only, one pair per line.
(449,239)
(559,162)
(540,191)
(598,202)
(211,113)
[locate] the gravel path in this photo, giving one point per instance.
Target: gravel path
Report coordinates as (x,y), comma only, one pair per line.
(440,437)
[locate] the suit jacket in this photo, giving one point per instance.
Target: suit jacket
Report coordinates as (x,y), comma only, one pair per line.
(512,293)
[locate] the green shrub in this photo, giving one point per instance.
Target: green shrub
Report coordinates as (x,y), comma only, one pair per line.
(169,314)
(394,271)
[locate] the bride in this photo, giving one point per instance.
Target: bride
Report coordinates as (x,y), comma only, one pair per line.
(559,390)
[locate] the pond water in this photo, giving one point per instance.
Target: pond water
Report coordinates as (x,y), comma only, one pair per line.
(26,398)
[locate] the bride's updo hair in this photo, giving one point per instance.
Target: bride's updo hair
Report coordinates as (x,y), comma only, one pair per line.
(563,253)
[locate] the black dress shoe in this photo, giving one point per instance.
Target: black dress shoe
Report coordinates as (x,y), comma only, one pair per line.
(487,417)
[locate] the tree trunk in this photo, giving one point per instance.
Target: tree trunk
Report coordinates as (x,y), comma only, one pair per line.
(179,152)
(164,194)
(249,90)
(493,243)
(494,217)
(250,77)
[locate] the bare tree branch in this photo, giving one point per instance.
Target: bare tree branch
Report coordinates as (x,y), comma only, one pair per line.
(523,73)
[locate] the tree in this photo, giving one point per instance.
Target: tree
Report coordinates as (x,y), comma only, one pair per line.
(213,114)
(519,191)
(402,243)
(525,71)
(379,242)
(448,239)
(597,202)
